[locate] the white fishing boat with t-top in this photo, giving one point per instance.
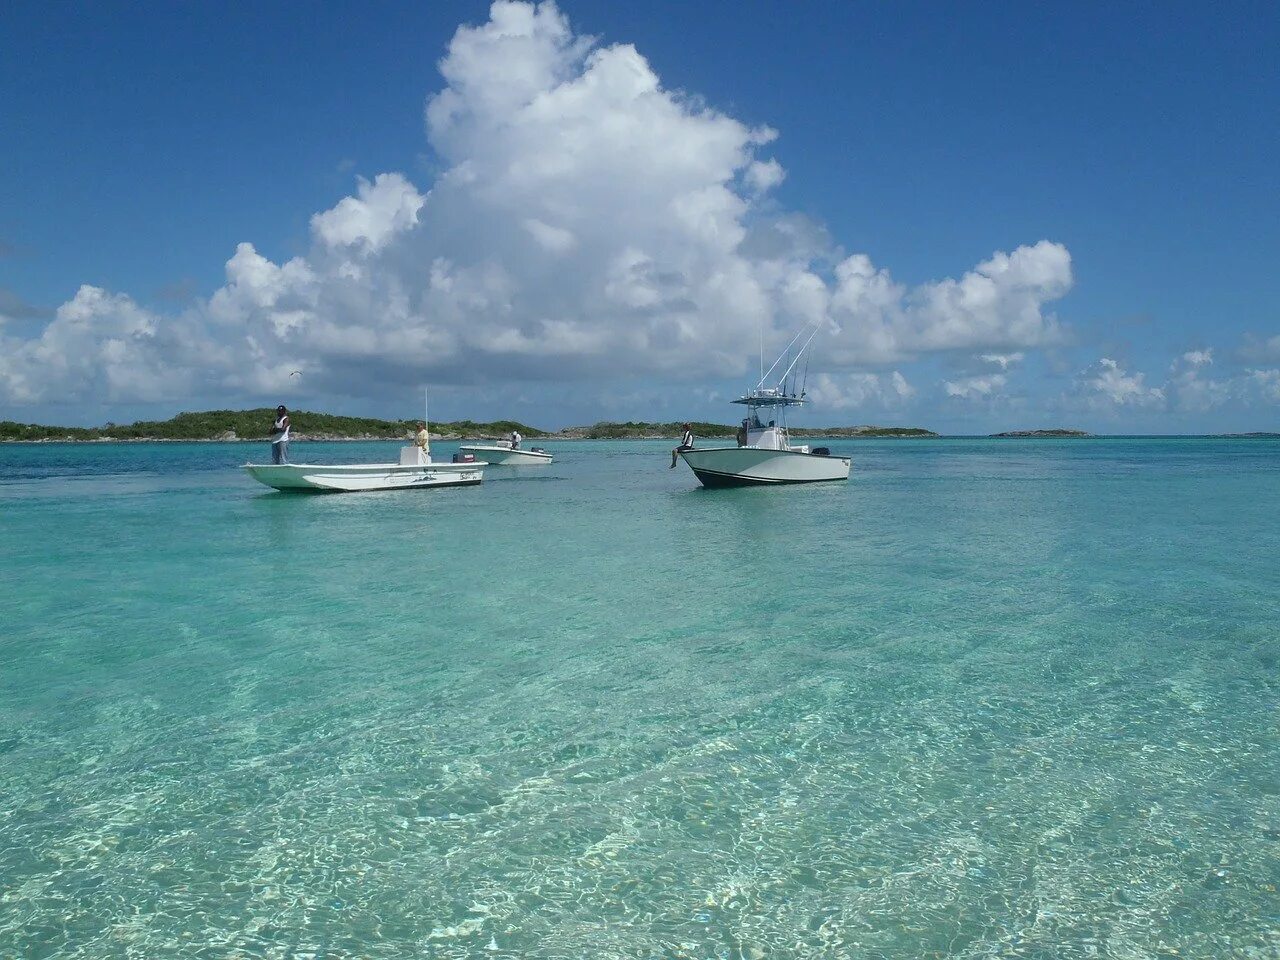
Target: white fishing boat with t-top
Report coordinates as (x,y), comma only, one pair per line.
(764,454)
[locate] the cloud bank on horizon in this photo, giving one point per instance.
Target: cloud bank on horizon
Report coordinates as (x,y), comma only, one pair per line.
(589,224)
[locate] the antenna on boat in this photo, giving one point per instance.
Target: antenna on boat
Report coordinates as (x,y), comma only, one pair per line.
(765,373)
(426,417)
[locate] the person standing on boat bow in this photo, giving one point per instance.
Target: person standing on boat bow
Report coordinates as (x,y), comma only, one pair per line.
(686,443)
(280,436)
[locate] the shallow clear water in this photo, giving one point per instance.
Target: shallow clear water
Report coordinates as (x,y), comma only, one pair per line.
(987,699)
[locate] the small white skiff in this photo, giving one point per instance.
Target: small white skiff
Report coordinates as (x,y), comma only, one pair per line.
(414,471)
(502,454)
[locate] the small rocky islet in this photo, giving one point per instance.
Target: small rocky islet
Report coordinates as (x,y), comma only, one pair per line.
(1054,432)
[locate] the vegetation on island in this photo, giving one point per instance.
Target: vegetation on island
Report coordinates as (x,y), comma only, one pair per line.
(641,430)
(470,429)
(863,431)
(1056,432)
(256,425)
(308,425)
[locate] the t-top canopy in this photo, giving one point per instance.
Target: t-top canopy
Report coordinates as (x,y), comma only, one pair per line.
(771,397)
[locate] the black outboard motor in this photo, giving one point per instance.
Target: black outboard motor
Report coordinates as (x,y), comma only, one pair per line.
(821,451)
(464,458)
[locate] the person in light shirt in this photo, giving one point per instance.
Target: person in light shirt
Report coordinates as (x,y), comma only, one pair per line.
(686,443)
(280,436)
(515,439)
(422,439)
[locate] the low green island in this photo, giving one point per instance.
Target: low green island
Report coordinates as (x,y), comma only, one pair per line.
(865,431)
(253,425)
(1056,432)
(632,430)
(231,425)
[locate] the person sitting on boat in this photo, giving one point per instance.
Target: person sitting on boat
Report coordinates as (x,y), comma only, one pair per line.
(280,436)
(686,443)
(515,439)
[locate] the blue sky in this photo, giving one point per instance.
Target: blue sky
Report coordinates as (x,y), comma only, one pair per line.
(143,143)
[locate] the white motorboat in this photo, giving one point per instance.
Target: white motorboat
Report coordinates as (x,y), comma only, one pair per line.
(414,471)
(502,453)
(764,454)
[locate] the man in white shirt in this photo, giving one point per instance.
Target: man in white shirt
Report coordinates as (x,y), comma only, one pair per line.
(515,439)
(686,443)
(280,436)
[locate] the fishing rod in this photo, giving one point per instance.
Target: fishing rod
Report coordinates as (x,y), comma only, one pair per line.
(817,324)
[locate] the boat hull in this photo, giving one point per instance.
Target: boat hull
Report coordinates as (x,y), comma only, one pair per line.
(506,457)
(756,467)
(346,478)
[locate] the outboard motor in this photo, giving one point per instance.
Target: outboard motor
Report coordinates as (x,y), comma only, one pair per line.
(821,451)
(464,458)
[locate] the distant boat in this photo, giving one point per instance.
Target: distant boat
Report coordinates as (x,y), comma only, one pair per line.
(764,454)
(502,454)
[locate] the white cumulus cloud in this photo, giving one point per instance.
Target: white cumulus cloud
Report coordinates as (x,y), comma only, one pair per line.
(368,221)
(1003,360)
(1107,384)
(104,345)
(970,387)
(844,391)
(1195,358)
(999,305)
(588,222)
(1188,389)
(1260,349)
(1267,383)
(765,175)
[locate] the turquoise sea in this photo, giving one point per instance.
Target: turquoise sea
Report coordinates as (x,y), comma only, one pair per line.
(987,699)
